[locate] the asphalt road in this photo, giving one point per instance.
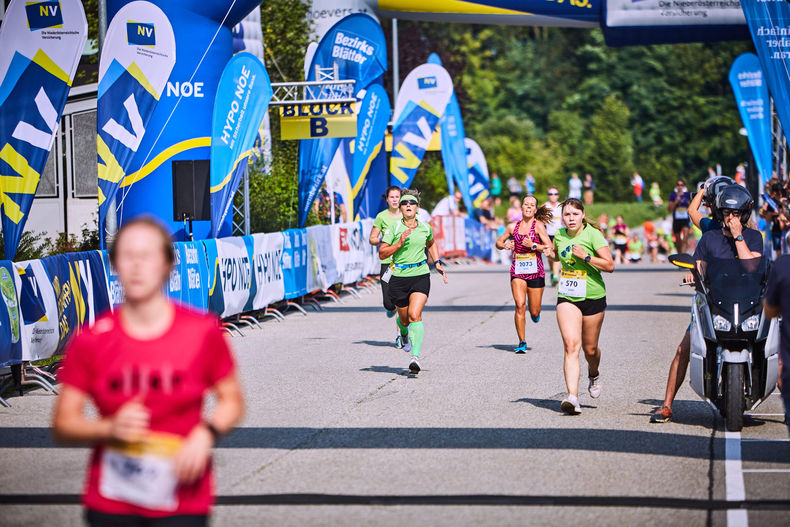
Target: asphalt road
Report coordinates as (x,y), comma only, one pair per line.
(338,433)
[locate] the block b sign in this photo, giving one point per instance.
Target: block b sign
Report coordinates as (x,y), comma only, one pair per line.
(317,120)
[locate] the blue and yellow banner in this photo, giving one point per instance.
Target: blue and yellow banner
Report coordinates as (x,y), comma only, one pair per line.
(374,115)
(479,185)
(40,47)
(242,101)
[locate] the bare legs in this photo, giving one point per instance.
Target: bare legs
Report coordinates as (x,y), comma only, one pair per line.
(579,332)
(525,296)
(677,370)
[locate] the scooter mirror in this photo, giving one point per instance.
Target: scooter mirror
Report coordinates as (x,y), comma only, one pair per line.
(685,261)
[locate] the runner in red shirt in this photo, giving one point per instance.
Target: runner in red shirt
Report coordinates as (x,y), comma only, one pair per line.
(147,368)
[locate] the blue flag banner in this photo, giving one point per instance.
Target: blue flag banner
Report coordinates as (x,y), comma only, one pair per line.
(40,47)
(768,22)
(242,101)
(754,104)
(294,265)
(357,48)
(374,115)
(10,316)
(137,57)
(422,100)
(479,186)
(453,148)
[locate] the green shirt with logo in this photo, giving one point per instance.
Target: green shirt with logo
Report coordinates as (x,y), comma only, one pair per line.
(413,249)
(590,239)
(385,222)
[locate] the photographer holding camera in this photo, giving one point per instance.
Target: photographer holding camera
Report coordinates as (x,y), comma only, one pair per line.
(775,211)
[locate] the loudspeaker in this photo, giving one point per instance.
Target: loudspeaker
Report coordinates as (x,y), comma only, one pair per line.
(191,190)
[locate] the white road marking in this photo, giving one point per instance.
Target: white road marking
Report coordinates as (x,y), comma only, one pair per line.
(766,415)
(766,440)
(733,478)
(766,470)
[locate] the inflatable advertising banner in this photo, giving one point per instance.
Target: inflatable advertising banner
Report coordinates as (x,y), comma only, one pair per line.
(374,115)
(421,102)
(768,23)
(230,275)
(243,97)
(248,34)
(40,47)
(357,48)
(138,55)
(754,104)
(267,270)
(294,267)
(40,331)
(479,186)
(453,148)
(11,332)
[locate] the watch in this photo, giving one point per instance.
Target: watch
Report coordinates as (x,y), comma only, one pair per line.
(587,258)
(739,238)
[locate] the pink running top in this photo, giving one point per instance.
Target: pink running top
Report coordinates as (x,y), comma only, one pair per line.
(523,244)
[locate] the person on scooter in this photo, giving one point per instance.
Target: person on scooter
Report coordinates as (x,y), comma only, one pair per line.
(708,196)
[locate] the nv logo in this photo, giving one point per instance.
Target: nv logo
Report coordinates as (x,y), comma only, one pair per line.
(426,83)
(41,15)
(140,34)
(26,180)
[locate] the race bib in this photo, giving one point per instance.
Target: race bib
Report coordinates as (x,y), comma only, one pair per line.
(620,239)
(387,275)
(573,283)
(526,263)
(681,213)
(141,474)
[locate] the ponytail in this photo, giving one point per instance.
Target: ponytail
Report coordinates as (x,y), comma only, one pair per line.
(544,214)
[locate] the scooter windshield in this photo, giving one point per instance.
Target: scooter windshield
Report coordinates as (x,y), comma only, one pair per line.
(734,281)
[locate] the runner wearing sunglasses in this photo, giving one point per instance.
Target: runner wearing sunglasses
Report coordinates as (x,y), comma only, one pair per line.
(409,276)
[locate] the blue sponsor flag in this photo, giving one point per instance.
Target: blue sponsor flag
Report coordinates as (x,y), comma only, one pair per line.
(374,115)
(768,22)
(242,100)
(357,47)
(751,95)
(453,149)
(36,71)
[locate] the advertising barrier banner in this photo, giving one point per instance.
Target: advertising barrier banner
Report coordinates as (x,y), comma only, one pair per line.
(242,100)
(138,54)
(40,47)
(348,246)
(372,263)
(11,332)
(114,287)
(231,286)
(421,103)
(40,333)
(189,279)
(267,271)
(356,47)
(754,104)
(322,268)
(295,262)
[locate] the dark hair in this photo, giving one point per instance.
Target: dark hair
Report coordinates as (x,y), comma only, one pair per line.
(390,189)
(155,224)
(542,214)
(577,204)
(411,192)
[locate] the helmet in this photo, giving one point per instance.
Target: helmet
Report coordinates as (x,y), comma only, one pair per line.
(733,197)
(712,188)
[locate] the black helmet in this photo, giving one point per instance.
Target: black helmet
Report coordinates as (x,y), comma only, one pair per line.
(733,197)
(712,188)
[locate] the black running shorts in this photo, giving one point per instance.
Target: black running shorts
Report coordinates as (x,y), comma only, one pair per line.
(587,307)
(679,225)
(401,287)
(532,283)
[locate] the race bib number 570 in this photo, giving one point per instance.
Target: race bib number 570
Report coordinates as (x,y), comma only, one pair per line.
(573,283)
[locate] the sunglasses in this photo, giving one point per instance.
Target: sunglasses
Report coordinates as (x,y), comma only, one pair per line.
(554,193)
(727,212)
(408,202)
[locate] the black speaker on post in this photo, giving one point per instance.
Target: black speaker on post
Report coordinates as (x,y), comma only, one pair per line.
(191,192)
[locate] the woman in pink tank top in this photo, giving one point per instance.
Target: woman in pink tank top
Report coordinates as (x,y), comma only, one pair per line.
(527,238)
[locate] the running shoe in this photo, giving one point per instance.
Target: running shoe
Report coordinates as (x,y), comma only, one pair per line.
(595,387)
(662,415)
(406,344)
(521,348)
(570,405)
(535,319)
(414,365)
(391,313)
(399,341)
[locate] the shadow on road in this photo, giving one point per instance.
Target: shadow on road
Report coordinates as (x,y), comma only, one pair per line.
(388,369)
(502,347)
(379,343)
(489,308)
(548,404)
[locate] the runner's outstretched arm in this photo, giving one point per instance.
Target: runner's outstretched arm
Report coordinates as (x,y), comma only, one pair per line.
(694,213)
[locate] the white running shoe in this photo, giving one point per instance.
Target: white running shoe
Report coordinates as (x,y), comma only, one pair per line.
(570,405)
(414,365)
(399,342)
(407,344)
(595,386)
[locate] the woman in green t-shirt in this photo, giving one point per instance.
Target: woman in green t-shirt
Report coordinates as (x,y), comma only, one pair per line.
(386,220)
(581,296)
(409,276)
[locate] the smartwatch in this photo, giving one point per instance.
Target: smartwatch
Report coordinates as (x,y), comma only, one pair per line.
(534,246)
(739,238)
(587,258)
(438,262)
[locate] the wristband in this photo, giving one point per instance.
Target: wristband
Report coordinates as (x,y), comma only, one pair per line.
(212,430)
(438,262)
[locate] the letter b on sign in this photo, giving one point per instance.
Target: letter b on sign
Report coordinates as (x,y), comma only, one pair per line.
(318,127)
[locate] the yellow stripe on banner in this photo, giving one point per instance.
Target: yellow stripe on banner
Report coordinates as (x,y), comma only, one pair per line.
(445,6)
(43,60)
(428,107)
(25,183)
(164,155)
(110,170)
(219,186)
(216,274)
(365,169)
(135,71)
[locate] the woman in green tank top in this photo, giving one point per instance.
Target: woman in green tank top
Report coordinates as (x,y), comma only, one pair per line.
(409,276)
